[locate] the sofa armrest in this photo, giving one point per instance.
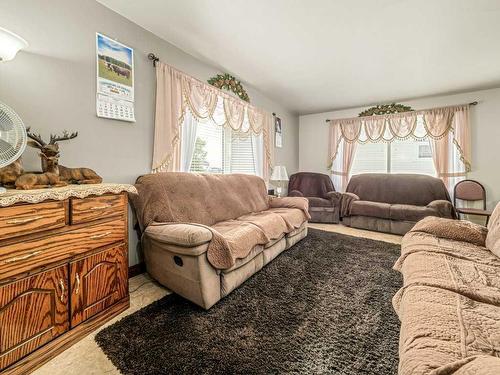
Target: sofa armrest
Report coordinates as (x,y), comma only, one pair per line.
(295,193)
(176,256)
(346,202)
(455,230)
(444,208)
(179,234)
(335,197)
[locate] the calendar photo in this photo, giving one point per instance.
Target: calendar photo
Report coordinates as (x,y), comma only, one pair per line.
(115,68)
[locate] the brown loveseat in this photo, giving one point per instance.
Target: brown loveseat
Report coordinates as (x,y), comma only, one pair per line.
(204,235)
(393,203)
(324,201)
(449,305)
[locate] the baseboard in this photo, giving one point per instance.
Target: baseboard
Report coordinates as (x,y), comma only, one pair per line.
(136,269)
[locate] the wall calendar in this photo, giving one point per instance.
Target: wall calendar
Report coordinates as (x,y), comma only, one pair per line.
(115,80)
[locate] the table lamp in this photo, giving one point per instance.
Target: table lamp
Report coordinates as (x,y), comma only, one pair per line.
(280,176)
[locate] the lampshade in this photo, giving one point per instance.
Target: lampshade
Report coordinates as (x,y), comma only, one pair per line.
(10,44)
(279,173)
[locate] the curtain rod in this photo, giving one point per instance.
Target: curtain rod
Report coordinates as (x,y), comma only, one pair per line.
(471,103)
(153,58)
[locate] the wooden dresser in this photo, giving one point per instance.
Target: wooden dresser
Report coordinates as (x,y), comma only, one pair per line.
(63,269)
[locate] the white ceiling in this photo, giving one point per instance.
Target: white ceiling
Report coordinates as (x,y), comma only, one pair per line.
(318,55)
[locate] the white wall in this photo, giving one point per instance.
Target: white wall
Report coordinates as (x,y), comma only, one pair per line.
(52,86)
(485,125)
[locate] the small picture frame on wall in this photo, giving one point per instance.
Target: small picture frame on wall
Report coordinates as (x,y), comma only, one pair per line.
(278,132)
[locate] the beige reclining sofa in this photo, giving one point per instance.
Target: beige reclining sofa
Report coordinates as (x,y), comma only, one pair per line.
(203,235)
(449,305)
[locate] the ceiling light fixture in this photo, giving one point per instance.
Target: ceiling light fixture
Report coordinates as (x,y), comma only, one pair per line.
(10,44)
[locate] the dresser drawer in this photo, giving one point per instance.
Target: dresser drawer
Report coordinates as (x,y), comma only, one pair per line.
(89,209)
(31,218)
(31,254)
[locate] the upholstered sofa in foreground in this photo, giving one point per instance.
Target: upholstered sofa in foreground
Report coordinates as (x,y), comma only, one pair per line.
(393,203)
(449,305)
(204,235)
(324,201)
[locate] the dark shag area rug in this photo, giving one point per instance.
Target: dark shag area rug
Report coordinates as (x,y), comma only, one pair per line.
(321,307)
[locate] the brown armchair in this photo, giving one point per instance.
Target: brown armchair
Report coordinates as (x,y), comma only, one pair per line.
(324,201)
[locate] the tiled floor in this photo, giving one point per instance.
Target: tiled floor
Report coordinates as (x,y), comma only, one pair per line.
(86,357)
(339,228)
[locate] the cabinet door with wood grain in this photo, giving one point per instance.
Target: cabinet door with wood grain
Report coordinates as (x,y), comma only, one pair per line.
(33,311)
(97,282)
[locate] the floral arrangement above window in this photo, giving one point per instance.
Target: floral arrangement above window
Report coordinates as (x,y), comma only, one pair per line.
(385,109)
(230,83)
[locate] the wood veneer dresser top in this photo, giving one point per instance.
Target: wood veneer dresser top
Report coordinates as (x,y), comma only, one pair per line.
(63,269)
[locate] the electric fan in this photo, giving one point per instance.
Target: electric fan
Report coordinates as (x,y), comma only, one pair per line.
(12,137)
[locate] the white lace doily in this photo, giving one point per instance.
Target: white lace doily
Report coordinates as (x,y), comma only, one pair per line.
(61,193)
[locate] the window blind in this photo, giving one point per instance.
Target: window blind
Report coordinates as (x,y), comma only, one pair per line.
(221,150)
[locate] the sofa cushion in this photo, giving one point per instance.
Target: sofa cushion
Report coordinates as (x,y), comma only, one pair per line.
(273,251)
(293,217)
(373,209)
(269,222)
(440,328)
(231,280)
(319,202)
(407,212)
(296,231)
(296,236)
(273,241)
(239,237)
(242,261)
(188,235)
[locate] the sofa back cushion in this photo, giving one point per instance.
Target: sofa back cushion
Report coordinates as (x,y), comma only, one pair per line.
(413,189)
(197,198)
(311,184)
(493,237)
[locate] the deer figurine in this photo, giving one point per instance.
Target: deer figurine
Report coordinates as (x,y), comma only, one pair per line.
(13,175)
(49,153)
(10,173)
(28,181)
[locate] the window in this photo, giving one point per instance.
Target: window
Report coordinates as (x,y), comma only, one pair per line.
(208,154)
(221,150)
(398,156)
(370,157)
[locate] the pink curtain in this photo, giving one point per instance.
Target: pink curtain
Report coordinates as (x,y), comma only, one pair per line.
(168,112)
(451,151)
(177,93)
(348,158)
(462,135)
(334,138)
(447,129)
(343,153)
(440,151)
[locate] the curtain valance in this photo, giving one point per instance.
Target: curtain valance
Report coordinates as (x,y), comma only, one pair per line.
(177,92)
(435,124)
